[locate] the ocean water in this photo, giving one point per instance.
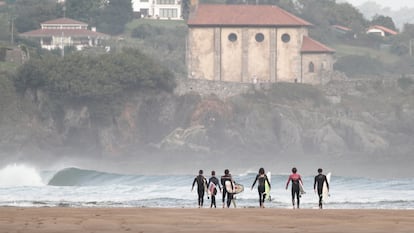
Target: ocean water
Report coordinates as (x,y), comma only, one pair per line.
(23,186)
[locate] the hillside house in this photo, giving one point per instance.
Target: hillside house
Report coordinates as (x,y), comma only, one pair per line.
(63,32)
(381,31)
(341,29)
(253,43)
(158,9)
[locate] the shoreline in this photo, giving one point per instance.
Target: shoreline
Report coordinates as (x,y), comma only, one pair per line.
(132,219)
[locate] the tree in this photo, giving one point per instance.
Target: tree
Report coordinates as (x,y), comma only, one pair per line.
(4,28)
(7,92)
(403,43)
(185,9)
(30,13)
(93,77)
(384,21)
(114,16)
(83,10)
(354,65)
(327,12)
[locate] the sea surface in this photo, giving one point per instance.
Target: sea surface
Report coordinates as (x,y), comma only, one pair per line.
(24,186)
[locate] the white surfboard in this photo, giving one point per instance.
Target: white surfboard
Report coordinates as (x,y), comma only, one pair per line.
(325,191)
(267,186)
(301,189)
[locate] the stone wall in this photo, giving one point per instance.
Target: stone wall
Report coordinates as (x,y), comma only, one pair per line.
(334,84)
(219,88)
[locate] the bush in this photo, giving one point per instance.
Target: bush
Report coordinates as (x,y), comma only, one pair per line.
(359,65)
(405,83)
(94,77)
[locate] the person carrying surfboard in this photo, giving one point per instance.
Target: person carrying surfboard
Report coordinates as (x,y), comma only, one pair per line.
(201,187)
(261,178)
(212,185)
(320,179)
(296,182)
(228,188)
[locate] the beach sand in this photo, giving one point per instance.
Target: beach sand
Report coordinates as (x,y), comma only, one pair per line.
(44,220)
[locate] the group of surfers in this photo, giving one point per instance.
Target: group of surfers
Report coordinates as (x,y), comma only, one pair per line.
(261,179)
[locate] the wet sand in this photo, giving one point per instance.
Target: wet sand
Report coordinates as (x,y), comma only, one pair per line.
(45,220)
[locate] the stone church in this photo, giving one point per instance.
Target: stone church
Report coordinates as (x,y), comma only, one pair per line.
(253,43)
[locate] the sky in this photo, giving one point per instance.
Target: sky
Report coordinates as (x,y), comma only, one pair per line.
(393,4)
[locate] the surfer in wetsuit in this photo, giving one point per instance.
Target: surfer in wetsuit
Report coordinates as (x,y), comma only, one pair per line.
(261,178)
(320,179)
(213,180)
(201,187)
(295,178)
(228,193)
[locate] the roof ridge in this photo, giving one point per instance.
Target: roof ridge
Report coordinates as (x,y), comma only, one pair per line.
(251,15)
(310,45)
(63,20)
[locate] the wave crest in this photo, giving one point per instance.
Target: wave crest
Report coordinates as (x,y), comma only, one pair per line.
(20,175)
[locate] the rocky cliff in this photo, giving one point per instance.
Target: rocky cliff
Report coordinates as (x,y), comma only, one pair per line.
(341,125)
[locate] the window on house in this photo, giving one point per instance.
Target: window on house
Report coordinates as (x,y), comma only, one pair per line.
(286,38)
(144,12)
(259,37)
(311,67)
(165,2)
(232,37)
(168,13)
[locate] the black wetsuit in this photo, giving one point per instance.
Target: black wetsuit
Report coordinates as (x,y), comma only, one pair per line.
(295,178)
(319,180)
(215,181)
(225,192)
(201,182)
(261,187)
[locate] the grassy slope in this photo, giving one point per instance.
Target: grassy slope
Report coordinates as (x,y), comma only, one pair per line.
(346,50)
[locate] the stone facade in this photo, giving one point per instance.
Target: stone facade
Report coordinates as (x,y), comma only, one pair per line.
(314,66)
(257,52)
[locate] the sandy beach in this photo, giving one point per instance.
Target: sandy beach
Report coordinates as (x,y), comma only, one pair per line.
(44,220)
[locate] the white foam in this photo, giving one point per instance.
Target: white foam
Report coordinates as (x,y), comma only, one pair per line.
(19,175)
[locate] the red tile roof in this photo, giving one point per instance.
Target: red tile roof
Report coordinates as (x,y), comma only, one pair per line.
(65,32)
(310,45)
(342,28)
(243,15)
(64,21)
(386,30)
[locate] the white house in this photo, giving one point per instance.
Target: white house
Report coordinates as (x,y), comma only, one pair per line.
(381,31)
(63,32)
(158,9)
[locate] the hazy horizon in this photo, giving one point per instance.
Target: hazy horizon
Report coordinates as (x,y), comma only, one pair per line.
(393,4)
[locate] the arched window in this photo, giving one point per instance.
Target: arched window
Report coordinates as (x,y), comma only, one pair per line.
(311,67)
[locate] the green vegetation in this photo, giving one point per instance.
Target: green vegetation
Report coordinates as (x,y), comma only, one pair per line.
(354,65)
(79,76)
(298,93)
(108,16)
(405,83)
(7,92)
(343,50)
(163,40)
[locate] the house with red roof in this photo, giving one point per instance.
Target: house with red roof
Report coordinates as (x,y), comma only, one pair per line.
(63,32)
(249,43)
(381,31)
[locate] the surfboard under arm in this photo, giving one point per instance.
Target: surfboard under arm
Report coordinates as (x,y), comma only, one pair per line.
(325,190)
